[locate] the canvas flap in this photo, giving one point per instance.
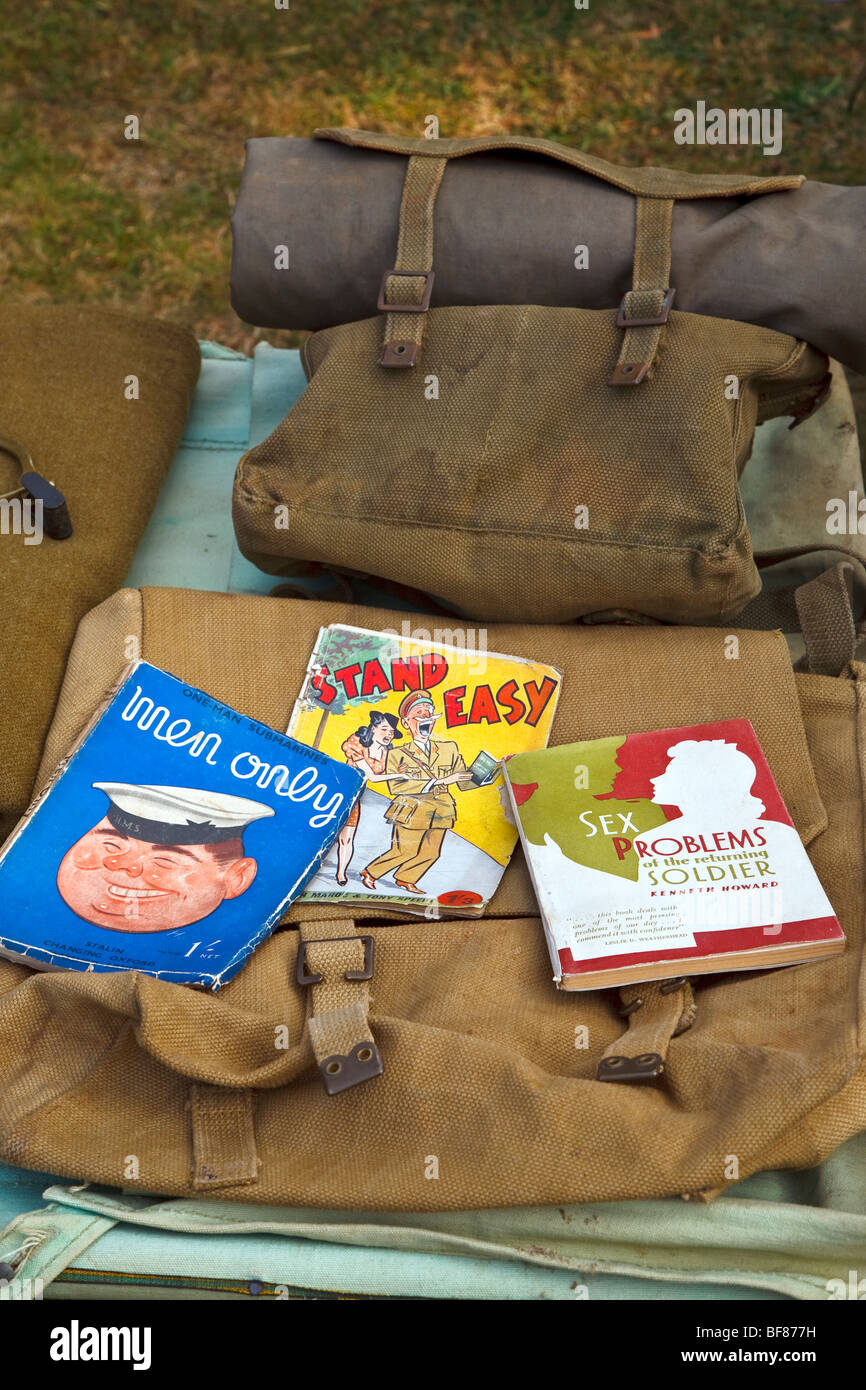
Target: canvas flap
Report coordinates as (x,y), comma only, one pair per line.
(253,652)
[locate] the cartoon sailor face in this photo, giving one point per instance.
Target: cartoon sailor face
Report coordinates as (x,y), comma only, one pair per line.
(161,858)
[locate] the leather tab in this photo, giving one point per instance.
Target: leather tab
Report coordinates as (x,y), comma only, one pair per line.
(628,374)
(399,354)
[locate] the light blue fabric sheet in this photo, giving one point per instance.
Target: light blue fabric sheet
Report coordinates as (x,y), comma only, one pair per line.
(189,542)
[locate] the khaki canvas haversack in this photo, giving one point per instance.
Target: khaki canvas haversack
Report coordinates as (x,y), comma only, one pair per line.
(489,1093)
(530,462)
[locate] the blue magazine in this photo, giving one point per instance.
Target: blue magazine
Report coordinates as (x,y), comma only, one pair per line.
(170,841)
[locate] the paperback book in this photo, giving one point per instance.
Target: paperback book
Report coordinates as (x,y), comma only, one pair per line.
(666,853)
(428,725)
(171,840)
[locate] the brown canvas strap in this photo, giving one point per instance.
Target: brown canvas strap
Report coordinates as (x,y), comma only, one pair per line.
(406,288)
(223,1136)
(644,310)
(827,609)
(645,179)
(656,1012)
(826,615)
(335,965)
(405,292)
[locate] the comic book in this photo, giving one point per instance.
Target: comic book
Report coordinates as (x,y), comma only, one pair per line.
(170,840)
(428,724)
(667,853)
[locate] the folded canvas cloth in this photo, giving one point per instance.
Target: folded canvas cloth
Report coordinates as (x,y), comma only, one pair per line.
(775,1232)
(774,1235)
(507,227)
(65,395)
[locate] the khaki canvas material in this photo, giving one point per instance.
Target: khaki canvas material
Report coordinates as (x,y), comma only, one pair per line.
(485,1098)
(522,461)
(792,475)
(473,497)
(62,397)
(649,181)
(508,221)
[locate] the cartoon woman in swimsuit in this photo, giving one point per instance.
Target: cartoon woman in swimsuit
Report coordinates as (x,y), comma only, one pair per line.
(366,750)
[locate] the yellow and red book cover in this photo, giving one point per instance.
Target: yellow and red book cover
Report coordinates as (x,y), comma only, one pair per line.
(428,724)
(666,853)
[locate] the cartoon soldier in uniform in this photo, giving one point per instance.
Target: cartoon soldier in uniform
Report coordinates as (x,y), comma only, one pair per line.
(422,808)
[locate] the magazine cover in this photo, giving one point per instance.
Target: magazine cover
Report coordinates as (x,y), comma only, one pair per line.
(170,841)
(664,853)
(428,725)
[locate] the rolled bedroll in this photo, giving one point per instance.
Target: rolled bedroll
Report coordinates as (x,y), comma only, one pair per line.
(530,222)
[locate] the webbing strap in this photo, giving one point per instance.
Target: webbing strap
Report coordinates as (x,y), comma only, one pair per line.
(652,181)
(656,1013)
(223,1137)
(826,615)
(335,964)
(644,309)
(410,282)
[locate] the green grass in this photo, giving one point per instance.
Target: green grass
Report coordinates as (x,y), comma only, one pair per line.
(91,217)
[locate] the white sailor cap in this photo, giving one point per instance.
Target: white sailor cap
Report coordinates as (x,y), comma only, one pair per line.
(179,815)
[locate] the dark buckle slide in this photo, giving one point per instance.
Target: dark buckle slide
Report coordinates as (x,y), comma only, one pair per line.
(426,275)
(646,1067)
(623,321)
(305,978)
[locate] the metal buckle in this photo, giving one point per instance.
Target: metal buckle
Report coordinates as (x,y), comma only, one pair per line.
(623,322)
(35,488)
(426,275)
(646,1067)
(628,1009)
(304,978)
